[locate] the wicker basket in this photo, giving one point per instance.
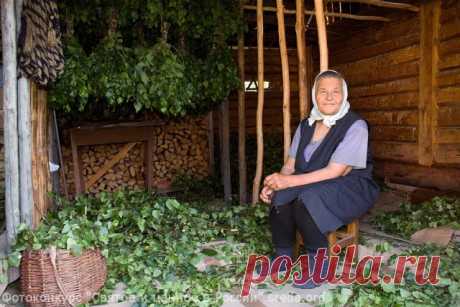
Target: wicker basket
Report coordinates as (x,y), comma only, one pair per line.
(55,277)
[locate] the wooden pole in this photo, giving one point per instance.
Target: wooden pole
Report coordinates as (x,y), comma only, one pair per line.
(322,38)
(10,104)
(285,74)
(260,102)
(225,156)
(211,169)
(429,58)
(301,56)
(308,80)
(342,15)
(387,4)
(242,123)
(25,140)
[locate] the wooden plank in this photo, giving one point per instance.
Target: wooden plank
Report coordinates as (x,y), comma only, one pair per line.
(450,10)
(450,61)
(448,95)
(395,151)
(401,101)
(396,86)
(109,164)
(391,118)
(429,20)
(449,77)
(371,50)
(394,133)
(449,46)
(373,74)
(399,56)
(449,116)
(450,29)
(41,184)
(448,154)
(448,135)
(443,178)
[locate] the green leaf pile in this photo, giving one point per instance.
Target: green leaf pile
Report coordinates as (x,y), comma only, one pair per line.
(152,243)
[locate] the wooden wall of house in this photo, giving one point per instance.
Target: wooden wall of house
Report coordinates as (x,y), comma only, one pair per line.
(410,101)
(273,105)
(447,149)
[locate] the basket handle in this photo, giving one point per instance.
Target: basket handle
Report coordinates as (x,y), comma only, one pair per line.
(52,253)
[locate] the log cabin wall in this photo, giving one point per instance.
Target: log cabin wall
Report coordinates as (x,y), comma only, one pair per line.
(447,131)
(409,100)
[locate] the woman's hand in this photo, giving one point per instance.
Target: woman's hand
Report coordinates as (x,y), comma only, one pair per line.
(277,181)
(266,195)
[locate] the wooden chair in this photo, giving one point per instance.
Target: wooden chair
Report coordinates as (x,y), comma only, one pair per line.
(344,236)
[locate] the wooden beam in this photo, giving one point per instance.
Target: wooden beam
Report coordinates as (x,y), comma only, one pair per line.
(386,4)
(429,58)
(285,74)
(10,129)
(241,122)
(25,140)
(301,56)
(260,102)
(225,154)
(211,165)
(307,12)
(322,38)
(109,164)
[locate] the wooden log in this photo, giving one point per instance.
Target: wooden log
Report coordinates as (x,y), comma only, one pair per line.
(242,169)
(211,164)
(450,61)
(391,118)
(260,102)
(443,178)
(322,38)
(386,4)
(429,19)
(447,135)
(394,133)
(286,86)
(10,117)
(109,164)
(302,61)
(399,101)
(307,12)
(396,86)
(449,77)
(225,154)
(448,116)
(448,154)
(395,151)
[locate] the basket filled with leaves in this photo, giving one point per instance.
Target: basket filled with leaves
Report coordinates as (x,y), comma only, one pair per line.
(60,263)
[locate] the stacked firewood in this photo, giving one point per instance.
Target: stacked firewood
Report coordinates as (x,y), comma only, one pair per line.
(180,148)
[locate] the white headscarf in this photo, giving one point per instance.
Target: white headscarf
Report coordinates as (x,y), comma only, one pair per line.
(328,120)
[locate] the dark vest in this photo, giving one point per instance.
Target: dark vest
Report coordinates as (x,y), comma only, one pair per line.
(322,155)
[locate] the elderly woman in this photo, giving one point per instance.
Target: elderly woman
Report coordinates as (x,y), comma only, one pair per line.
(327,180)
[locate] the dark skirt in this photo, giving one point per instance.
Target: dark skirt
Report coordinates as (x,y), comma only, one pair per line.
(332,203)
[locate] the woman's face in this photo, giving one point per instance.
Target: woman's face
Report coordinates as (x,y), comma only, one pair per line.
(329,95)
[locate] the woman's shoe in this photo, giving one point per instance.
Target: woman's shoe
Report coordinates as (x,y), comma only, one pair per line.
(310,284)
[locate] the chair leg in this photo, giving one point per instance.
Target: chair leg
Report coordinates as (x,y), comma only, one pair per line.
(298,243)
(332,239)
(353,229)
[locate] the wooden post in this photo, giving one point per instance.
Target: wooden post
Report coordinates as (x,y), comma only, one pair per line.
(12,213)
(225,154)
(260,102)
(242,122)
(301,56)
(211,164)
(285,74)
(322,38)
(25,140)
(429,57)
(40,159)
